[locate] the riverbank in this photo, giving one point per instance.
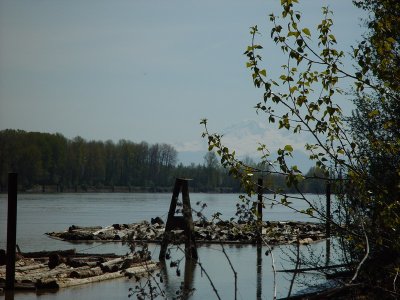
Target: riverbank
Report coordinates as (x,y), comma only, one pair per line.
(45,189)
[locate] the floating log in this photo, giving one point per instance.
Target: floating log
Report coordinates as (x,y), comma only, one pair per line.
(69,282)
(314,268)
(112,265)
(88,228)
(123,262)
(86,272)
(84,261)
(30,267)
(141,269)
(34,273)
(275,233)
(70,252)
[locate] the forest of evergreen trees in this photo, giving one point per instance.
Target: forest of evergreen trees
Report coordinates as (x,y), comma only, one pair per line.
(43,159)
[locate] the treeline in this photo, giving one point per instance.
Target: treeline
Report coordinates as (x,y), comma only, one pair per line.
(43,159)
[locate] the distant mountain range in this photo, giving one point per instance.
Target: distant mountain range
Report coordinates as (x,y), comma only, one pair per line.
(244,138)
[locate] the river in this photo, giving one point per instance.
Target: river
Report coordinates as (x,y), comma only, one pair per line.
(41,213)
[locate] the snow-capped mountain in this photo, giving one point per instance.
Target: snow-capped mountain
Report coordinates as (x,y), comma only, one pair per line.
(245,137)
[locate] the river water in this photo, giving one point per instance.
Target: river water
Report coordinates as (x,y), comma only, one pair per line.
(41,213)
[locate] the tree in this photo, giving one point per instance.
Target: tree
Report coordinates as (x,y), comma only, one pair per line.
(376,128)
(360,154)
(211,168)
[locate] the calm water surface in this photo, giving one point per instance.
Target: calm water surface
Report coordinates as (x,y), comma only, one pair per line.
(40,213)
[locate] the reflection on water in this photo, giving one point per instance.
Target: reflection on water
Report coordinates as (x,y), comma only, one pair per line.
(38,214)
(259,272)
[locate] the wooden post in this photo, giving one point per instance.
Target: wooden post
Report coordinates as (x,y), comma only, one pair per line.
(260,199)
(328,209)
(259,273)
(328,223)
(11,230)
(259,208)
(176,221)
(190,265)
(190,243)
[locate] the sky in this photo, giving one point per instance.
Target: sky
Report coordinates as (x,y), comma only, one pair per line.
(140,70)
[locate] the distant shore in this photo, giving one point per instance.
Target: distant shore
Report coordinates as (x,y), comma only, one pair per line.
(46,189)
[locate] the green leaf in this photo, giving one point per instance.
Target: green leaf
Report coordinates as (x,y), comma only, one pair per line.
(374,113)
(263,72)
(306,31)
(288,148)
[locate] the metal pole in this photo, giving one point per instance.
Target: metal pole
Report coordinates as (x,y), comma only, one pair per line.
(11,230)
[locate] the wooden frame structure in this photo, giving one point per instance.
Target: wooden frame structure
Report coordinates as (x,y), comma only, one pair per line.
(184,222)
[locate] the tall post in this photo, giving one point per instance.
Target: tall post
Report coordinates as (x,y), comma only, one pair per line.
(190,243)
(184,222)
(260,199)
(328,223)
(328,209)
(259,273)
(11,230)
(259,208)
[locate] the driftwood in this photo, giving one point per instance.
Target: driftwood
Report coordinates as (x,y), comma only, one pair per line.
(275,233)
(123,262)
(68,282)
(85,272)
(112,265)
(30,267)
(84,261)
(88,228)
(39,254)
(314,268)
(141,269)
(73,269)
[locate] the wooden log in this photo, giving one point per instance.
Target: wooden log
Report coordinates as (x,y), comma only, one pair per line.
(107,255)
(84,261)
(30,267)
(30,286)
(68,282)
(64,253)
(85,273)
(315,268)
(111,265)
(83,228)
(49,283)
(114,264)
(141,269)
(60,271)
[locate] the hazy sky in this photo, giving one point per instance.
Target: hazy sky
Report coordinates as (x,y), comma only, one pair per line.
(138,69)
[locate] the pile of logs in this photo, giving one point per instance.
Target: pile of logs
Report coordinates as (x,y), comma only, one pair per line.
(59,269)
(274,233)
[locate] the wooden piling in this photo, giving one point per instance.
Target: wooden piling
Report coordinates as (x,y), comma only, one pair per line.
(328,209)
(260,200)
(328,223)
(178,221)
(259,208)
(11,230)
(259,272)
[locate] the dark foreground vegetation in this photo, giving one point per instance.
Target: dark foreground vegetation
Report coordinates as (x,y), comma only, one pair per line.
(52,163)
(360,151)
